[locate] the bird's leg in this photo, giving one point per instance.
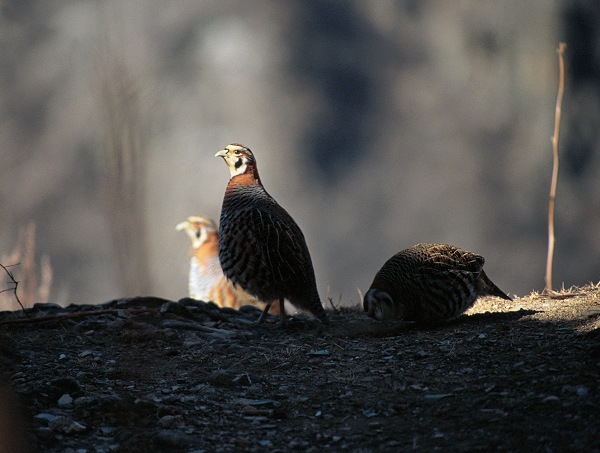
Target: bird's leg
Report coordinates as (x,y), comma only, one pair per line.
(282,312)
(263,315)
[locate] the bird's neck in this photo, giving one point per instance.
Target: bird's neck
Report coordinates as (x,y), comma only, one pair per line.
(209,248)
(247,179)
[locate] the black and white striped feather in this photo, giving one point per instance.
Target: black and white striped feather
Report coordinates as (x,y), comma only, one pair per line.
(428,283)
(261,248)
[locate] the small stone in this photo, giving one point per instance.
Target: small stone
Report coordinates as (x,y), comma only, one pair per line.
(221,378)
(242,379)
(64,385)
(66,425)
(250,411)
(437,396)
(46,306)
(84,401)
(45,416)
(268,426)
(369,413)
(296,444)
(176,308)
(581,391)
(241,441)
(123,313)
(65,400)
(167,439)
(266,403)
(167,420)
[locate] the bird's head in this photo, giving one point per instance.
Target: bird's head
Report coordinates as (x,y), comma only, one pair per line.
(239,159)
(198,229)
(379,304)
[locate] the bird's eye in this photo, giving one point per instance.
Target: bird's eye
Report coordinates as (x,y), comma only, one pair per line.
(198,234)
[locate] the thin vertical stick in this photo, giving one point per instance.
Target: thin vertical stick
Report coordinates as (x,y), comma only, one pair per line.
(557,112)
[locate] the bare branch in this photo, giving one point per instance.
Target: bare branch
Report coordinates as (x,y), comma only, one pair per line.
(13,281)
(559,97)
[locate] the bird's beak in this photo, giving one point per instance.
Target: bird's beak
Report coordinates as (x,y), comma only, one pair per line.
(182,226)
(222,153)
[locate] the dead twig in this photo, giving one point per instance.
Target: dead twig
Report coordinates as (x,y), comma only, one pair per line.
(335,310)
(14,282)
(80,314)
(360,296)
(33,287)
(561,86)
(333,307)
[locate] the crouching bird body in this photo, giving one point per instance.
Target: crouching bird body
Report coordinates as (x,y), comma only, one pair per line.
(428,283)
(261,248)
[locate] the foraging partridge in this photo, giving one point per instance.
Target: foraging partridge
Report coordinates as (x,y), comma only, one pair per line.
(428,283)
(206,280)
(261,248)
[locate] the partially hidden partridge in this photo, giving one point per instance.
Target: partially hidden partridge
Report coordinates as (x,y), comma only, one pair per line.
(428,283)
(261,248)
(206,280)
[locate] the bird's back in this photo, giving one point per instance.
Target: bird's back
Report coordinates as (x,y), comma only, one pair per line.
(435,281)
(262,248)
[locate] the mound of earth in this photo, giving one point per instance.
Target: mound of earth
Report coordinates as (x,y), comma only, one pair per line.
(147,374)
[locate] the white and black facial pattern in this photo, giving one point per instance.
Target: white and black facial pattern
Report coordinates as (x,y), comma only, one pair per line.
(237,157)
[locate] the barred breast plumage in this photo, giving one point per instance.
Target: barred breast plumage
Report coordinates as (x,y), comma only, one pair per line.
(206,280)
(428,283)
(261,248)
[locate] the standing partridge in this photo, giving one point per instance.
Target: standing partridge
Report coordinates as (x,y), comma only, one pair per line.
(206,280)
(428,283)
(261,248)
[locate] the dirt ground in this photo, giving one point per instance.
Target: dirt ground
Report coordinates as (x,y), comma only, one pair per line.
(146,374)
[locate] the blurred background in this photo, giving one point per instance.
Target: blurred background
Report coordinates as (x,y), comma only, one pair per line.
(377,124)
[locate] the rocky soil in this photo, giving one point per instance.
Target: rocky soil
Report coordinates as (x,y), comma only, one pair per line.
(147,374)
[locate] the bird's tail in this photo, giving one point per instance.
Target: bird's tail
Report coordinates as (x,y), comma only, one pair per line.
(321,315)
(487,288)
(313,305)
